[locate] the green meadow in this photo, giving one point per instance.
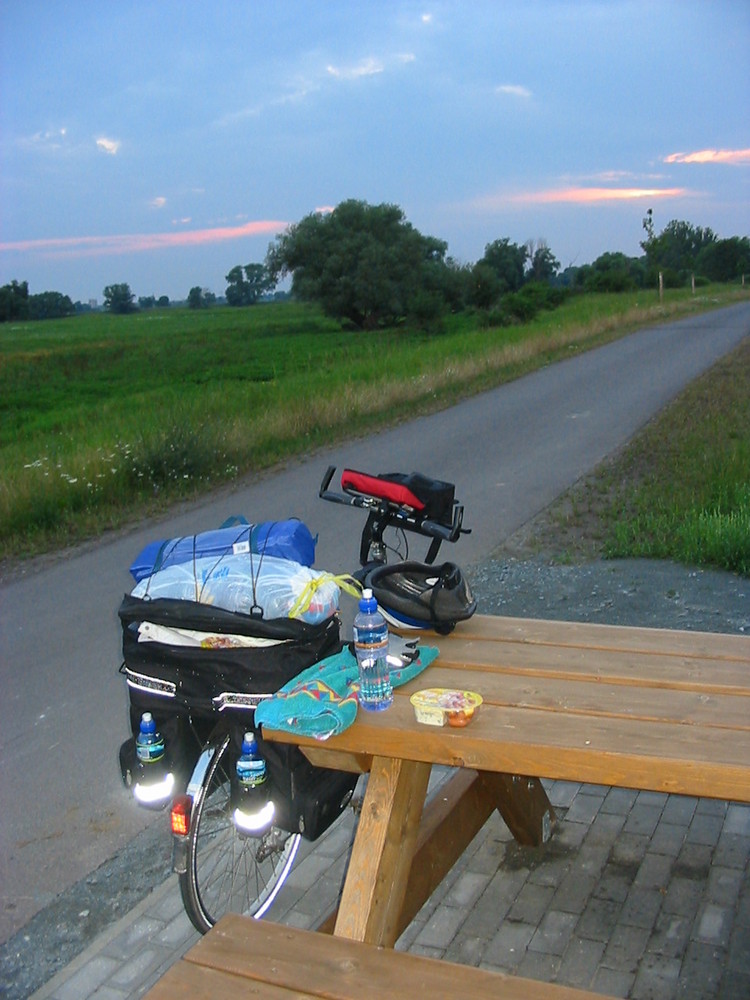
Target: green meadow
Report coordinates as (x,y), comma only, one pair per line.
(107,419)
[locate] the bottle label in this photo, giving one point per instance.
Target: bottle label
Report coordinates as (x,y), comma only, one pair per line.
(147,753)
(251,773)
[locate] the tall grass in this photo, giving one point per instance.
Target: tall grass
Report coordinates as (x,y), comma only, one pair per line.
(106,418)
(682,489)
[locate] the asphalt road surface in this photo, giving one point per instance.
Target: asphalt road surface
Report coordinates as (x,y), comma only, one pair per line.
(510,452)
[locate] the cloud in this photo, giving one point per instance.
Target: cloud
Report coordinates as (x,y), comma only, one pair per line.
(365,67)
(110,146)
(733,156)
(513,90)
(577,196)
(48,140)
(590,195)
(94,246)
(159,202)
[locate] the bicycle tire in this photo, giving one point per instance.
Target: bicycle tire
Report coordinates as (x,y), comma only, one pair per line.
(228,872)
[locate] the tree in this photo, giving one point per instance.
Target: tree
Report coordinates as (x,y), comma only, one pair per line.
(50,305)
(724,260)
(614,272)
(543,265)
(14,301)
(163,302)
(146,301)
(676,249)
(248,284)
(363,263)
(200,298)
(119,299)
(508,261)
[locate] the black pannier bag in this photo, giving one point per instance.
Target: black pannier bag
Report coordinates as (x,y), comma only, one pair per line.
(193,689)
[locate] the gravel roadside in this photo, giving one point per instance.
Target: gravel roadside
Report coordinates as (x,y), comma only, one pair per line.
(529,576)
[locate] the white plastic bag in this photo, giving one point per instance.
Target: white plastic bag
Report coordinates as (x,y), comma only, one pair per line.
(247,583)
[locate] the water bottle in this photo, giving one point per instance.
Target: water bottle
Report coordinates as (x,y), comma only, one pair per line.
(251,769)
(149,743)
(371,648)
(254,812)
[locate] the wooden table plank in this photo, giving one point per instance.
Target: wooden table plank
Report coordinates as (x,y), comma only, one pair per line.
(585,697)
(537,631)
(616,666)
(261,952)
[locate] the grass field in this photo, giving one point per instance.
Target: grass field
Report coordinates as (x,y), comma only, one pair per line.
(108,418)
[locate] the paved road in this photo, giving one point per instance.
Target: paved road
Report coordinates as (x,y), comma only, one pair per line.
(510,452)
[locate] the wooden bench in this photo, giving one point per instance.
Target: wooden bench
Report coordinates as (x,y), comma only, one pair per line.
(241,957)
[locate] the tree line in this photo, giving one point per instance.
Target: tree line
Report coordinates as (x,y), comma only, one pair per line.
(368,267)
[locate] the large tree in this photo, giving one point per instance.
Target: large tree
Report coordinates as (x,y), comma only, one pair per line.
(248,284)
(14,301)
(508,262)
(119,299)
(363,263)
(677,247)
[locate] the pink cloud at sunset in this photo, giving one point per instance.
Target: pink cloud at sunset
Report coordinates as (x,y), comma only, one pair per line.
(592,195)
(83,246)
(733,156)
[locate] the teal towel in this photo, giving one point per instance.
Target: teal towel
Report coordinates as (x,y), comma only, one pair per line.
(322,700)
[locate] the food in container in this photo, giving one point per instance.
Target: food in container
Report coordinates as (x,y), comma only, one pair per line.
(441,706)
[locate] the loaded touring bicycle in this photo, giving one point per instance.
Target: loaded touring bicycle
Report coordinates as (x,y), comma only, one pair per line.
(206,636)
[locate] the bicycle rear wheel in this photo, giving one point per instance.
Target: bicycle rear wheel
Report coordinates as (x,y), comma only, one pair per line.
(229,872)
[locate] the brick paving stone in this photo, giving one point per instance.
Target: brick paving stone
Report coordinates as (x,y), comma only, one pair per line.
(619,800)
(732,851)
(584,808)
(612,983)
(641,907)
(657,978)
(737,820)
(562,793)
(508,947)
(624,947)
(531,903)
(605,829)
(574,892)
(629,848)
(569,835)
(724,885)
(441,928)
(670,934)
(679,809)
(712,807)
(654,872)
(599,919)
(467,888)
(84,983)
(466,950)
(580,963)
(539,965)
(705,828)
(734,985)
(643,818)
(667,838)
(713,925)
(682,897)
(614,884)
(554,932)
(694,861)
(702,971)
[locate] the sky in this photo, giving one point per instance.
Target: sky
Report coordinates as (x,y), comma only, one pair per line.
(160,144)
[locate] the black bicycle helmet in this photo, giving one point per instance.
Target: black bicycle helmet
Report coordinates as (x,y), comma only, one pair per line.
(420,595)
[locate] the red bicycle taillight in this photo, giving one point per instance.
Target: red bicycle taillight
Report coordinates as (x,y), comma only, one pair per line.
(180,815)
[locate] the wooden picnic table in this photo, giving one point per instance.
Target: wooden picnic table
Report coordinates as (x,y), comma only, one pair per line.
(652,709)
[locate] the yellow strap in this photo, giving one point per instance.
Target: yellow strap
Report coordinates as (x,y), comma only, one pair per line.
(343,582)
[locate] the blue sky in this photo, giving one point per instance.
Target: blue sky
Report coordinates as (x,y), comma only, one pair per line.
(160,143)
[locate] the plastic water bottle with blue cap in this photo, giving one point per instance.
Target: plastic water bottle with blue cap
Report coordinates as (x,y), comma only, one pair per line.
(371,648)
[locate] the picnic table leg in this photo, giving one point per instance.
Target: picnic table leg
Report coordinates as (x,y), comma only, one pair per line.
(383,849)
(523,804)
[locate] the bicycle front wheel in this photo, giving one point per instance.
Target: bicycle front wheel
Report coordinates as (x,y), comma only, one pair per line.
(230,872)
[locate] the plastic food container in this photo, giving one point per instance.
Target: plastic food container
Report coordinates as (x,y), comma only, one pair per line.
(445,706)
